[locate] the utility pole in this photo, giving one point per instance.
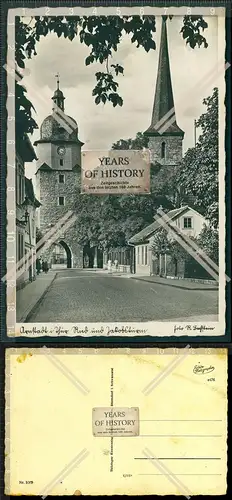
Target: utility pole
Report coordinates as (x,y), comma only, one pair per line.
(195,133)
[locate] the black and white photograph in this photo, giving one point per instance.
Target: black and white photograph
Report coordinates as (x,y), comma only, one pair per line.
(119,155)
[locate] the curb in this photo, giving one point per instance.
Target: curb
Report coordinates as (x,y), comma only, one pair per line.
(208,318)
(177,286)
(25,318)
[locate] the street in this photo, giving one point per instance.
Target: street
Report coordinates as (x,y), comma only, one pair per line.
(85,296)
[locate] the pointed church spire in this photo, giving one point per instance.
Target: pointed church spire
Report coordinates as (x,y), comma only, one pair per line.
(163,115)
(58,97)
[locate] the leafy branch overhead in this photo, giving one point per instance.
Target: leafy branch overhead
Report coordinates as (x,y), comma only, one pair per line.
(103,35)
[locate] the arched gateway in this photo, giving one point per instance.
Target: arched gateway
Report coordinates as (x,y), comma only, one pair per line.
(61,256)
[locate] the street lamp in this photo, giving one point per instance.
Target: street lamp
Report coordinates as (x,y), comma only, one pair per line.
(26,214)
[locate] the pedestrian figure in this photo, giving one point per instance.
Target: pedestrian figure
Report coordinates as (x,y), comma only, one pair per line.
(38,266)
(43,263)
(109,266)
(46,268)
(116,264)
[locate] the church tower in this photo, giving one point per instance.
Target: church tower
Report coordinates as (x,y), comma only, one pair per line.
(58,177)
(165,137)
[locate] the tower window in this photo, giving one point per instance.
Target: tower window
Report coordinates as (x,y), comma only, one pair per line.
(61,162)
(188,223)
(61,178)
(163,150)
(61,201)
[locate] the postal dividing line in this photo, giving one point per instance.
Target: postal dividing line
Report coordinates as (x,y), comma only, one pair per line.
(164,469)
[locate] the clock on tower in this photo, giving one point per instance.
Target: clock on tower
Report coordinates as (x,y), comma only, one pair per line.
(61,150)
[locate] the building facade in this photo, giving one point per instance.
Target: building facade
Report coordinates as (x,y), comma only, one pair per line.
(166,148)
(59,168)
(165,138)
(58,180)
(161,262)
(165,143)
(26,206)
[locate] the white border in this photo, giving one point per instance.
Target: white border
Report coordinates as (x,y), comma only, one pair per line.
(162,328)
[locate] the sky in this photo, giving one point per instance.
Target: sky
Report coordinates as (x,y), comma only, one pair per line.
(101,125)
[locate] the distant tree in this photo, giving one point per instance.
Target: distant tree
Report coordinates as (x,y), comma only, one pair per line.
(208,240)
(179,253)
(140,209)
(160,242)
(139,142)
(103,35)
(109,221)
(198,173)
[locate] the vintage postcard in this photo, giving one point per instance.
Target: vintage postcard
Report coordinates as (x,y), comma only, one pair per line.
(104,422)
(115,199)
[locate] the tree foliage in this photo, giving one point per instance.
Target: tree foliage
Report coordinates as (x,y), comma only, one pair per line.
(208,240)
(198,174)
(139,142)
(103,35)
(160,242)
(109,221)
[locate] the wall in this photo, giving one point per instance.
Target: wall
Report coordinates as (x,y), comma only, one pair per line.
(198,222)
(173,149)
(50,189)
(142,265)
(50,212)
(180,269)
(47,153)
(20,229)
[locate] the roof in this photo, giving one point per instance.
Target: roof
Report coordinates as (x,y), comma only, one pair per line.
(53,128)
(30,194)
(163,101)
(58,93)
(149,230)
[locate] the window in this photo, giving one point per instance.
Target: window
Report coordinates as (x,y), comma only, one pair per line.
(138,255)
(163,150)
(188,223)
(145,256)
(142,256)
(19,188)
(22,189)
(61,201)
(20,247)
(61,178)
(61,162)
(17,247)
(25,260)
(33,227)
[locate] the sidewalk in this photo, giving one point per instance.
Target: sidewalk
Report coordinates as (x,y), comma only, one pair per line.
(29,296)
(177,283)
(207,318)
